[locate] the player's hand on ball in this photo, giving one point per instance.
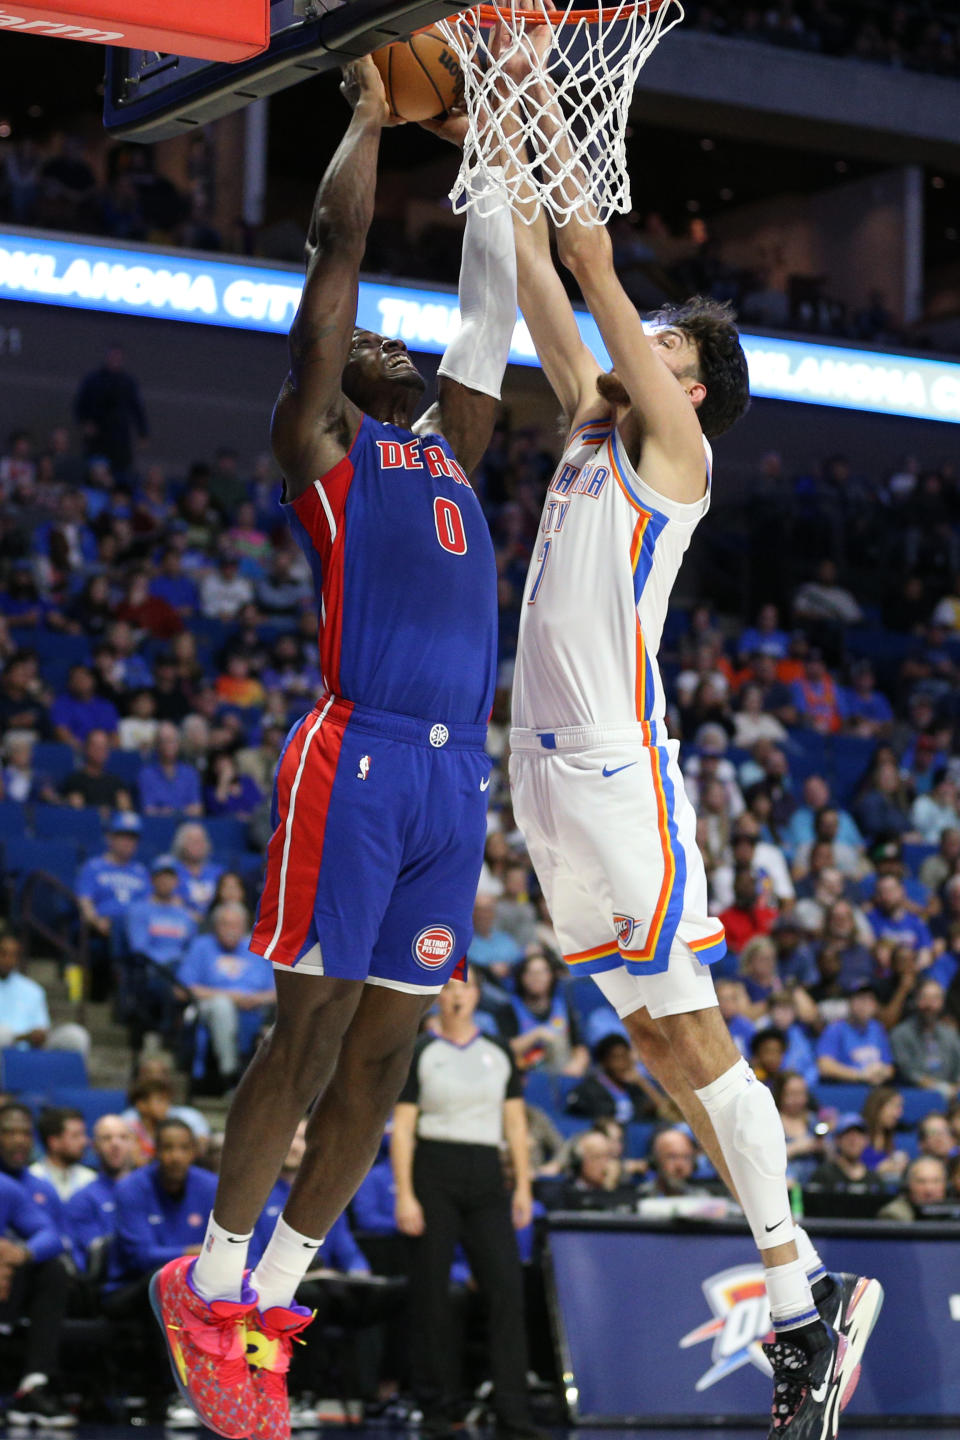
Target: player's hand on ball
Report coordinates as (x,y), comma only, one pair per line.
(452,126)
(362,84)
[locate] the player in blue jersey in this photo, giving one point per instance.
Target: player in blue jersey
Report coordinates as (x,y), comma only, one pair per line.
(379,804)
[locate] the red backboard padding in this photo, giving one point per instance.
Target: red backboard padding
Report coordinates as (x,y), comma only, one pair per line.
(209,30)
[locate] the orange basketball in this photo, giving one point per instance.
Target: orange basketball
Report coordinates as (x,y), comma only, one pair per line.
(421,76)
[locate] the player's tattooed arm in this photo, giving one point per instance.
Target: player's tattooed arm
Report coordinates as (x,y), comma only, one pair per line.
(312,419)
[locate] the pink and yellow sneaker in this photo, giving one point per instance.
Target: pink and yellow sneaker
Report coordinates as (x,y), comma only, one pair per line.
(206,1347)
(270,1338)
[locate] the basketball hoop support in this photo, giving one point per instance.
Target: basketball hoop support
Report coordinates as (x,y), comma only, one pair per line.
(153,97)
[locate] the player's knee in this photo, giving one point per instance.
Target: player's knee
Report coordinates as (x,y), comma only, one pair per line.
(758,1131)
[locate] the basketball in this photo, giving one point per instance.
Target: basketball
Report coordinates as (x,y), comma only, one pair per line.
(422,76)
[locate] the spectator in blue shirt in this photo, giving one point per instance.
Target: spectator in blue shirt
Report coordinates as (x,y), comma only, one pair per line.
(159,932)
(33,1287)
(162,1210)
(199,875)
(887,859)
(74,714)
(374,1205)
(801,829)
(857,1050)
(868,713)
(799,1054)
(891,919)
(173,586)
(129,670)
(91,1214)
(107,885)
(169,786)
(493,951)
(232,987)
(16,1150)
(766,637)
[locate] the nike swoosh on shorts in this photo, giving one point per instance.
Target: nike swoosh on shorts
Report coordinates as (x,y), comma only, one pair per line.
(485,784)
(607,773)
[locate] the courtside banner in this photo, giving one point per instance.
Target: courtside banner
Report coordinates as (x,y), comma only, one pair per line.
(172,285)
(629,1357)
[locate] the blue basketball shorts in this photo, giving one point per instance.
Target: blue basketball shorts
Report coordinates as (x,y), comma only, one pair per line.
(379,829)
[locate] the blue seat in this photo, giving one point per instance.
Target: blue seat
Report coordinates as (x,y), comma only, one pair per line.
(64,649)
(842,1097)
(564,1084)
(93,1103)
(13,822)
(571,1124)
(539,1089)
(636,1140)
(157,834)
(52,758)
(63,822)
(126,766)
(914,855)
(917,1103)
(61,857)
(226,833)
(41,1070)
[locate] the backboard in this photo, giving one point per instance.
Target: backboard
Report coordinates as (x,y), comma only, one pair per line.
(152,96)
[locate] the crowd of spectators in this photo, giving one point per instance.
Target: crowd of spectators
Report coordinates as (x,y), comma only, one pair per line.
(157,638)
(910,34)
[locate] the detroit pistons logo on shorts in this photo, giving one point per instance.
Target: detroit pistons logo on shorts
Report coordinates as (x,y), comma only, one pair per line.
(433,947)
(738,1299)
(624,926)
(363,769)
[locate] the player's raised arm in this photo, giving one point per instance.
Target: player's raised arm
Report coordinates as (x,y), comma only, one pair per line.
(313,420)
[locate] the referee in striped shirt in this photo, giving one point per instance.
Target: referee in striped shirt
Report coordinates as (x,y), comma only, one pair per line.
(462,1099)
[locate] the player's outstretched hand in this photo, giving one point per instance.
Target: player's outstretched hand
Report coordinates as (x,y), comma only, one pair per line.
(363,84)
(452,126)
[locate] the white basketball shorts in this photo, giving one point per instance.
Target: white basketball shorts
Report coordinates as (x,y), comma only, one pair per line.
(612,837)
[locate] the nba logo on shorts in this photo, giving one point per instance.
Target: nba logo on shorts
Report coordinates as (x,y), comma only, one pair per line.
(433,947)
(363,769)
(738,1299)
(624,925)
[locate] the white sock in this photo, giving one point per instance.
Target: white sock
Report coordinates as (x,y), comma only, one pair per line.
(812,1263)
(284,1263)
(788,1290)
(218,1271)
(750,1134)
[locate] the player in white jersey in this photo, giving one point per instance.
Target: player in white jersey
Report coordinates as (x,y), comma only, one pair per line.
(597,789)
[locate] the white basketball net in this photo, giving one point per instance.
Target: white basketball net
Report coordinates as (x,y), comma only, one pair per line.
(590,69)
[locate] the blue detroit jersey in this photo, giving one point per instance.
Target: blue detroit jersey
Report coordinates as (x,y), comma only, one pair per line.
(405,578)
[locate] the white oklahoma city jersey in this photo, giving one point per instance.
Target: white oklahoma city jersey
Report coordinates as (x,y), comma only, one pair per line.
(596,783)
(595,602)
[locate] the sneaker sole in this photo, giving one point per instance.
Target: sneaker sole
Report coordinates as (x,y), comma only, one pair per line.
(157,1307)
(865,1307)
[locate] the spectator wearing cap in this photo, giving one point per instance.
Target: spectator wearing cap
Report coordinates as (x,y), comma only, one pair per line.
(817,697)
(845,1172)
(869,714)
(80,709)
(750,913)
(937,811)
(925,1047)
(801,829)
(91,783)
(796,954)
(169,786)
(107,885)
(232,987)
(925,1183)
(856,1050)
(24,1016)
(198,874)
(890,919)
(159,932)
(887,859)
